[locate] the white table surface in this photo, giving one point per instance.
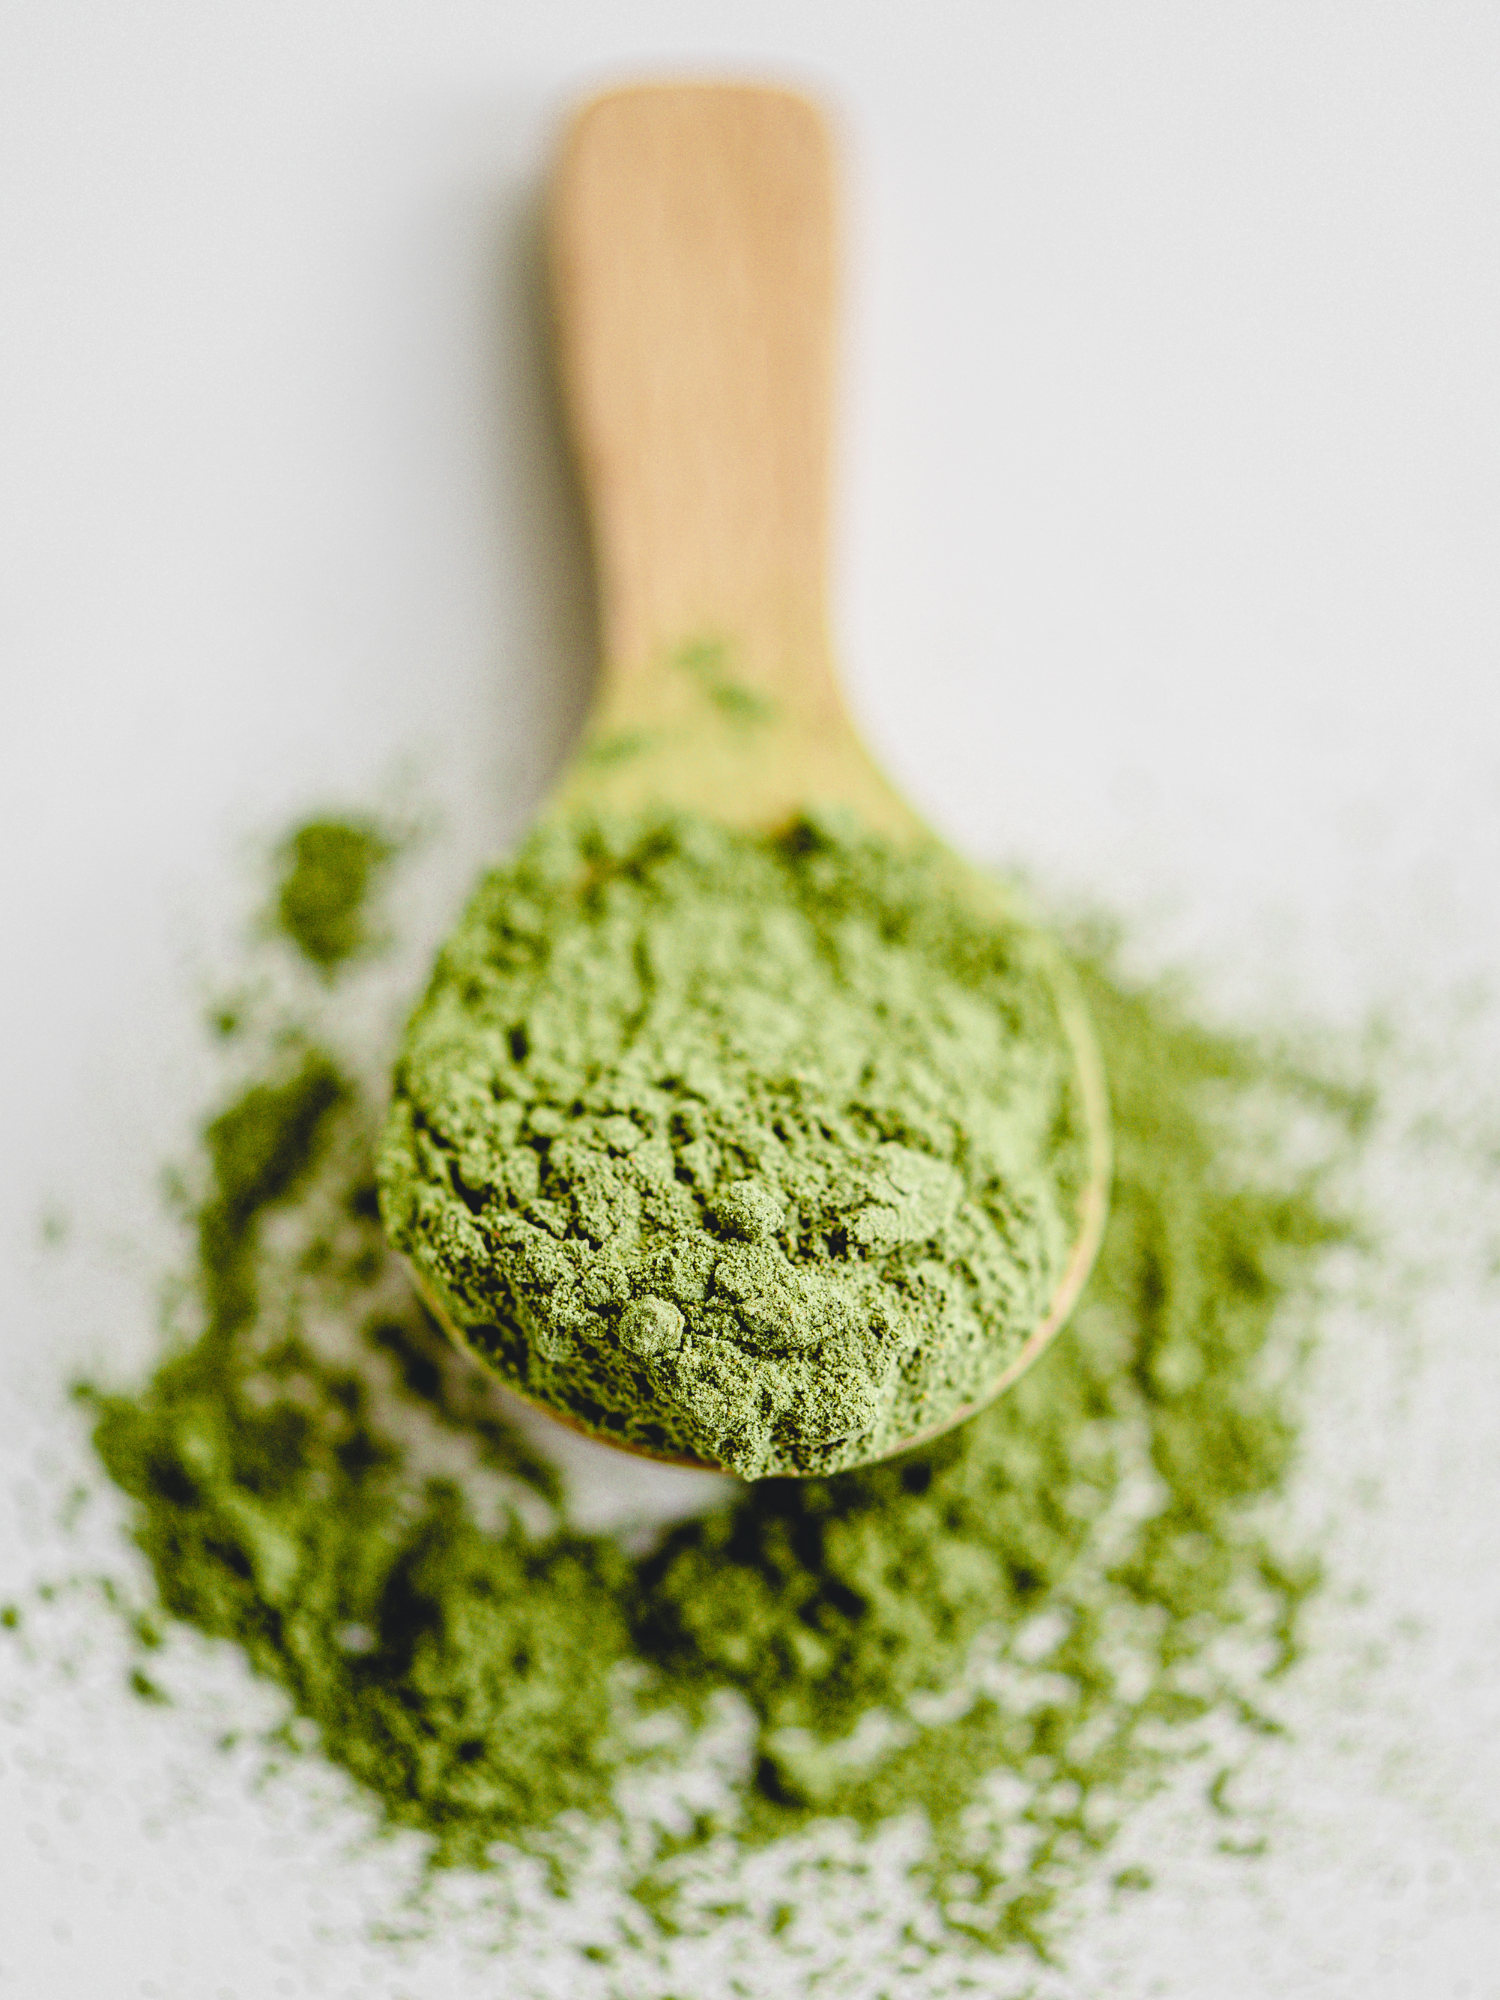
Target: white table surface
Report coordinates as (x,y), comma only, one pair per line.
(1168,569)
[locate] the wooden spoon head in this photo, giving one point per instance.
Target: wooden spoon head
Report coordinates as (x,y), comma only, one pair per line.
(1090,1213)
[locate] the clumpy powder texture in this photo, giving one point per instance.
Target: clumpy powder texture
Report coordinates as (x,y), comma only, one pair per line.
(322,900)
(762,1150)
(1000,1642)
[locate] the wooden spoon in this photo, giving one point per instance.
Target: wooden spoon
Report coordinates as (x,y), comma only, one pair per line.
(693,264)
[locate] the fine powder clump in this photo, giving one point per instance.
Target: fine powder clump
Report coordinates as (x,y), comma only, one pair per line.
(765,1150)
(329,866)
(1006,1637)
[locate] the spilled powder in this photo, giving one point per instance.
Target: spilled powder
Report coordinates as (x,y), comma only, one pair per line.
(328,868)
(1003,1640)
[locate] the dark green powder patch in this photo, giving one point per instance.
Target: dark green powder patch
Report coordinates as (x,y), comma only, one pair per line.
(328,867)
(1014,1632)
(260,1151)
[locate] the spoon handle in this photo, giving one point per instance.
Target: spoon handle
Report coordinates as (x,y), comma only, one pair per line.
(692,237)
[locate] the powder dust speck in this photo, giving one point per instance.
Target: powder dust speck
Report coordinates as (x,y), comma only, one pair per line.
(329,868)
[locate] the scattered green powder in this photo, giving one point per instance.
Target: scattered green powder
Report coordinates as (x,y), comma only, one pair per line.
(1012,1632)
(763,1150)
(328,868)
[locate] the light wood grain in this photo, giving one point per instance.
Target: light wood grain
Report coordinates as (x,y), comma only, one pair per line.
(693,254)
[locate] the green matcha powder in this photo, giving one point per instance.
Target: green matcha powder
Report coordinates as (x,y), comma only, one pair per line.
(1011,1633)
(760,1150)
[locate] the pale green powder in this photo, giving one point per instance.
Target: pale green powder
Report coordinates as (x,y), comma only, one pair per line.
(764,1150)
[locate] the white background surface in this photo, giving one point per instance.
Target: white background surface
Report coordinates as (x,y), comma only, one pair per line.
(1172,489)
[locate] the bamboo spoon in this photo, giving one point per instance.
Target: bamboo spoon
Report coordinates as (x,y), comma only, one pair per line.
(693,271)
(692,240)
